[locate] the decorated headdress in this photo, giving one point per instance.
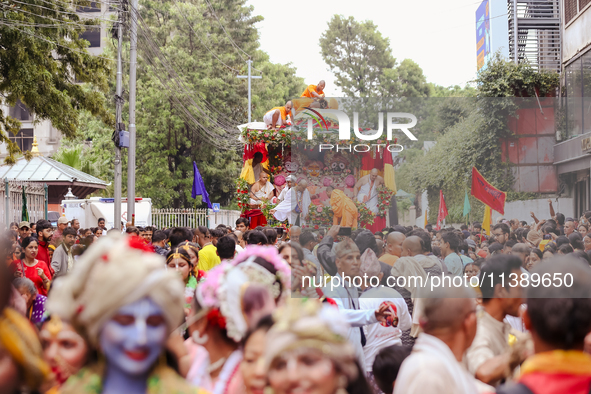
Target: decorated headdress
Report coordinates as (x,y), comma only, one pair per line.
(224,290)
(279,180)
(115,271)
(180,252)
(309,324)
(370,264)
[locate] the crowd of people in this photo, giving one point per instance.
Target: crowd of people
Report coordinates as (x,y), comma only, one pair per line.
(255,310)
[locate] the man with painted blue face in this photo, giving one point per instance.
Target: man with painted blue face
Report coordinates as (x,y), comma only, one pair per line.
(126,304)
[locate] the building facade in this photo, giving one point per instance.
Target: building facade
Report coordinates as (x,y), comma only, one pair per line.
(572,154)
(48,137)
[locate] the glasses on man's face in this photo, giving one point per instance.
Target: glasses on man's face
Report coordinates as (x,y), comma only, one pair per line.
(497,234)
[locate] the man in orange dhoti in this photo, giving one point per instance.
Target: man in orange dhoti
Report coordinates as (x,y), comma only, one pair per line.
(310,97)
(344,209)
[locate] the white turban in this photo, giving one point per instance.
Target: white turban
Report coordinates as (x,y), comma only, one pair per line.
(115,271)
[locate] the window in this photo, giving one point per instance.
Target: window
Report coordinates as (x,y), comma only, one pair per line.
(93,36)
(574,94)
(94,7)
(20,112)
(586,59)
(570,10)
(578,95)
(24,139)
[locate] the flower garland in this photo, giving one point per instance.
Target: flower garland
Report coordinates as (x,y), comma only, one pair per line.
(272,137)
(274,170)
(366,217)
(384,198)
(242,197)
(320,216)
(266,208)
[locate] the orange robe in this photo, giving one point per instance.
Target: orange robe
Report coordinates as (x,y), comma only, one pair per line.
(310,89)
(283,111)
(344,209)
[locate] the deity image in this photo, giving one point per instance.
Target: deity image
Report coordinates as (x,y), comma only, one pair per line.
(313,168)
(336,163)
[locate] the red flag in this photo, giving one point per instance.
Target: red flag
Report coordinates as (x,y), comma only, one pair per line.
(487,193)
(442,211)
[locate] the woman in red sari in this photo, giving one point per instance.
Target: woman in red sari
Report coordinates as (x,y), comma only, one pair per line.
(29,267)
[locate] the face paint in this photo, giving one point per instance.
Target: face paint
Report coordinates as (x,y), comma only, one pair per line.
(133,339)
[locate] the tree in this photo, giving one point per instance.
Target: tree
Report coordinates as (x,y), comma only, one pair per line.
(357,54)
(469,132)
(42,62)
(362,62)
(187,68)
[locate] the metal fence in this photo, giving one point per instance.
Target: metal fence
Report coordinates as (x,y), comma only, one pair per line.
(11,208)
(169,217)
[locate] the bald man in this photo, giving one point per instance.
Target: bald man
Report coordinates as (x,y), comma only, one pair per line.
(434,366)
(413,247)
(366,189)
(294,234)
(279,116)
(394,242)
(315,91)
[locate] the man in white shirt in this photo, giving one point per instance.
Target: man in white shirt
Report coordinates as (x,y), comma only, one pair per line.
(286,190)
(347,297)
(302,203)
(307,242)
(434,366)
(389,332)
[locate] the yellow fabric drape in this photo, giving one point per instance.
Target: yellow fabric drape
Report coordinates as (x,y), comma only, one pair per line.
(248,172)
(487,220)
(389,179)
(344,209)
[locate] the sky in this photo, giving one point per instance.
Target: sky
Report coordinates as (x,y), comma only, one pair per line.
(438,35)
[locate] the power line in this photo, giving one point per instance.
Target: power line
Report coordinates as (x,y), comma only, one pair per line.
(13,22)
(55,43)
(213,138)
(224,29)
(53,10)
(199,37)
(146,30)
(18,10)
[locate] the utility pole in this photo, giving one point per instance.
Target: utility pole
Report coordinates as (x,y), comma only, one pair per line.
(133,12)
(119,109)
(249,77)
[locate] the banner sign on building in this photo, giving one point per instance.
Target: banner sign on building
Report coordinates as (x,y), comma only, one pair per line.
(483,48)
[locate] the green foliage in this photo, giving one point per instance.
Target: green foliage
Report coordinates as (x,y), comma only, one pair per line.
(42,62)
(504,78)
(403,204)
(453,91)
(362,62)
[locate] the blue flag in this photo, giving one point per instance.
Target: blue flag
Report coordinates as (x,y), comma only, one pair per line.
(199,187)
